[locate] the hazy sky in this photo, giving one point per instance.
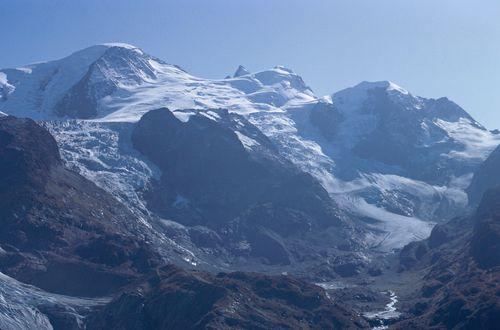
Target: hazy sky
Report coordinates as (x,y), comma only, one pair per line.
(431,47)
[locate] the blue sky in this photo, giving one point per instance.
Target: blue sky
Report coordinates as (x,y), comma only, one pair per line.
(432,48)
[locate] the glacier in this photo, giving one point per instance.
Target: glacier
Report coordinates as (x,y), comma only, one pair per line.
(89,99)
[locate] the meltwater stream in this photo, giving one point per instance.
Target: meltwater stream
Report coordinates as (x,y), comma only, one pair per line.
(381,319)
(378,319)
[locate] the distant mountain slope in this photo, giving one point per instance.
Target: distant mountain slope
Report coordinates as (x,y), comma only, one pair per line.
(120,83)
(385,154)
(219,171)
(426,139)
(399,161)
(409,155)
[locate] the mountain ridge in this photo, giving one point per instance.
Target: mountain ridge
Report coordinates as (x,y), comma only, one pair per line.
(335,141)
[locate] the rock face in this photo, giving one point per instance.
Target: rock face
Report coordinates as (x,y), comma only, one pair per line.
(115,68)
(221,172)
(223,168)
(385,124)
(485,178)
(178,299)
(60,232)
(486,237)
(240,71)
(461,287)
(327,119)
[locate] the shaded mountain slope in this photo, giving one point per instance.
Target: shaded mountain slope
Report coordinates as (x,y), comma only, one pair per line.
(219,171)
(225,166)
(485,178)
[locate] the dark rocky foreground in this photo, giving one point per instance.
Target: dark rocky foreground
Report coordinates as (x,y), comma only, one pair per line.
(173,298)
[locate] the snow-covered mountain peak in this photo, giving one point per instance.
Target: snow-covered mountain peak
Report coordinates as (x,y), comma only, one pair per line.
(284,76)
(364,89)
(385,85)
(120,82)
(34,90)
(283,69)
(98,50)
(126,65)
(42,89)
(120,45)
(88,55)
(391,100)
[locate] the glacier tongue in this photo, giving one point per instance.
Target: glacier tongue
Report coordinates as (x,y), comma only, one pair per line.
(400,209)
(23,306)
(102,153)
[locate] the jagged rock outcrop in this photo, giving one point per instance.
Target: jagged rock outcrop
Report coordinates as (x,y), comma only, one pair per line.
(240,71)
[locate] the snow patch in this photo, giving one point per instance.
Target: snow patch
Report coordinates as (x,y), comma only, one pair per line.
(393,87)
(3,78)
(478,143)
(183,115)
(120,44)
(247,142)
